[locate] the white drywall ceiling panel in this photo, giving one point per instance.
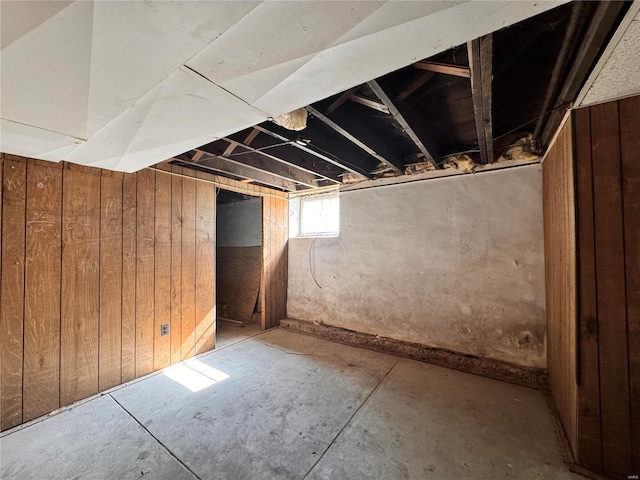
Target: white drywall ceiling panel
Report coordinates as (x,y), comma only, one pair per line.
(20,18)
(136,45)
(276,33)
(28,141)
(390,48)
(619,76)
(45,73)
(110,72)
(173,117)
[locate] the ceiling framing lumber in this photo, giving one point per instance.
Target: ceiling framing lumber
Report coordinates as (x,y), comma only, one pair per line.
(302,145)
(603,20)
(398,168)
(367,102)
(265,161)
(343,97)
(561,61)
(225,165)
(414,85)
(428,152)
(447,69)
(481,64)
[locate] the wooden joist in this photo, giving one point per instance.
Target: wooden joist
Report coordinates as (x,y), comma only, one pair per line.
(314,149)
(420,141)
(480,61)
(226,165)
(394,165)
(367,102)
(447,69)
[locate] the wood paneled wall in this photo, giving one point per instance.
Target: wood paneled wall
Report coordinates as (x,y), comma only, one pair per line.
(275,231)
(607,158)
(560,276)
(92,264)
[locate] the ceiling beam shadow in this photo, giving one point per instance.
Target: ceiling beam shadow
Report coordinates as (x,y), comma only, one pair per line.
(422,140)
(480,52)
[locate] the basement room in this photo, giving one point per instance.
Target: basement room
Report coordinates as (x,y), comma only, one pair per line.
(307,240)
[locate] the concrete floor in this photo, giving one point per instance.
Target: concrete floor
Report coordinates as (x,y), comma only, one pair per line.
(280,405)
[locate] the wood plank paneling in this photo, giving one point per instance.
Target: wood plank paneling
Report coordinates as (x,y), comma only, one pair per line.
(41,387)
(275,238)
(611,289)
(559,228)
(162,311)
(176,266)
(589,453)
(110,365)
(91,261)
(12,290)
(630,152)
(145,264)
(129,237)
(188,336)
(239,271)
(205,265)
(80,286)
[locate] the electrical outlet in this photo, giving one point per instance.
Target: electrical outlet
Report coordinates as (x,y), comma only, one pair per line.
(164,329)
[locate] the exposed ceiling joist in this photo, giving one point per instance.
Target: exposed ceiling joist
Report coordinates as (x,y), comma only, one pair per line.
(367,102)
(225,165)
(601,24)
(481,64)
(302,145)
(343,97)
(560,65)
(398,168)
(447,69)
(428,152)
(414,85)
(267,162)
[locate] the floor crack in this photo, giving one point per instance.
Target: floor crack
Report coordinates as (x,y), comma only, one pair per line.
(184,465)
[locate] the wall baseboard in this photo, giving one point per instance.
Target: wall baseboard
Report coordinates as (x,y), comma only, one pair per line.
(486,367)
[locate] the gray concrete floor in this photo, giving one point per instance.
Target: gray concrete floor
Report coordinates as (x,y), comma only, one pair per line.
(280,405)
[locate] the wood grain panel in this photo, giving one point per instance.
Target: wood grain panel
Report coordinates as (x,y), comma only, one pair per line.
(611,288)
(239,270)
(630,151)
(162,344)
(275,238)
(110,362)
(188,337)
(41,387)
(176,266)
(12,290)
(80,286)
(205,266)
(559,236)
(265,285)
(129,237)
(589,452)
(145,264)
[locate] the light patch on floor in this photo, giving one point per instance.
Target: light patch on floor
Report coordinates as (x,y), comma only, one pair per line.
(280,405)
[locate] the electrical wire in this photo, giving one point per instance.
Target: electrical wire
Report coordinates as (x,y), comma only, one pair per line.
(313,275)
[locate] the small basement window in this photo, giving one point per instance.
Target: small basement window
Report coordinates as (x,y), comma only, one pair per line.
(315,216)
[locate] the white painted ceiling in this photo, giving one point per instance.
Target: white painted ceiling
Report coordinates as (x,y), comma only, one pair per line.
(617,74)
(126,84)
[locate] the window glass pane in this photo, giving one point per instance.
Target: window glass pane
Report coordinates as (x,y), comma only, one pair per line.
(320,216)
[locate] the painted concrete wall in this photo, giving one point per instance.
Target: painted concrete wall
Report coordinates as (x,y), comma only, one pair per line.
(453,262)
(240,224)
